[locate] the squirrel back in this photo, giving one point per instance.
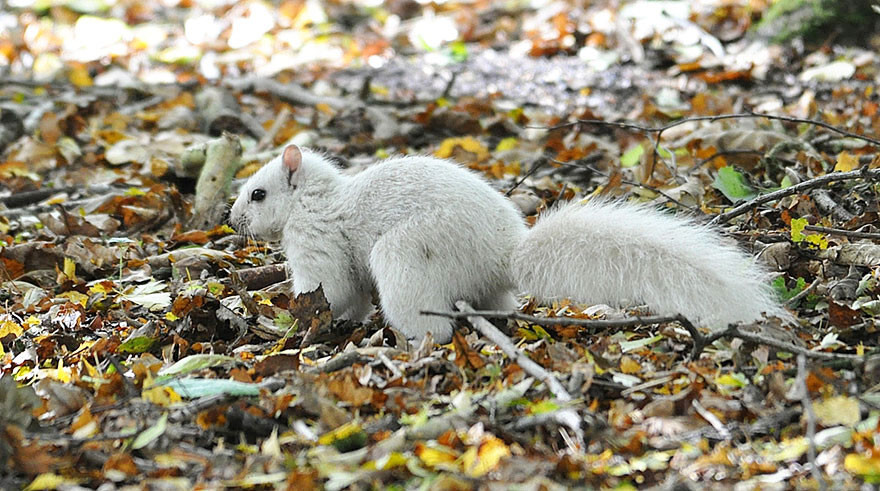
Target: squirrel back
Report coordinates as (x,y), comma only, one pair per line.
(426,232)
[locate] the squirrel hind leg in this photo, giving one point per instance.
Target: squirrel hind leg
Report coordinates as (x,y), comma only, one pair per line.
(408,284)
(498,300)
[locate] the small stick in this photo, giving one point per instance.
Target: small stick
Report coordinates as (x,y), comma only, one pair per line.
(811,420)
(854,234)
(711,419)
(797,188)
(566,416)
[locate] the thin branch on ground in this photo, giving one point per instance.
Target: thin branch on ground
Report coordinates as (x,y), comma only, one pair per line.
(566,416)
(797,188)
(811,420)
(711,419)
(699,339)
(718,117)
(853,234)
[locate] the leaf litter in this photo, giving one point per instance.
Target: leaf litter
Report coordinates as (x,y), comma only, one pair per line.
(140,346)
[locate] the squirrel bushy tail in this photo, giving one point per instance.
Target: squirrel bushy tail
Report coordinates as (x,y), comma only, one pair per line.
(612,252)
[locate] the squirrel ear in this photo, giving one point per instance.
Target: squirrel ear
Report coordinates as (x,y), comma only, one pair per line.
(291,158)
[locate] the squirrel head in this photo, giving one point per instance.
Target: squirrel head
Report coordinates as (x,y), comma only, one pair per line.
(267,200)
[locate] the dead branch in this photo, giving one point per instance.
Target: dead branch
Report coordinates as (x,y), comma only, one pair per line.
(222,160)
(797,188)
(699,339)
(567,417)
(853,234)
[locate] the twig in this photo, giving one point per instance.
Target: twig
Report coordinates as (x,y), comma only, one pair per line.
(266,140)
(658,130)
(711,419)
(633,183)
(390,365)
(811,420)
(718,117)
(567,417)
(699,339)
(722,153)
(797,188)
(596,324)
(846,233)
(537,165)
(487,329)
(736,332)
(803,293)
(828,206)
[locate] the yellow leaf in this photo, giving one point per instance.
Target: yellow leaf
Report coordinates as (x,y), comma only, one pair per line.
(797,229)
(79,76)
(161,395)
(432,456)
(790,450)
(506,144)
(90,370)
(169,316)
(47,481)
(628,365)
(325,108)
(75,297)
(99,288)
(8,327)
(30,322)
(862,465)
(392,460)
(817,240)
(480,462)
(466,144)
(846,162)
(839,410)
(343,431)
(70,269)
(62,373)
(379,89)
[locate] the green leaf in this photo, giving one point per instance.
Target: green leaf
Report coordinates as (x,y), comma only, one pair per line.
(784,292)
(137,345)
(632,157)
(458,51)
(797,229)
(733,185)
(150,434)
(193,388)
(626,346)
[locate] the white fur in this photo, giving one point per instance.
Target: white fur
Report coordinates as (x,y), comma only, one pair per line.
(616,253)
(426,232)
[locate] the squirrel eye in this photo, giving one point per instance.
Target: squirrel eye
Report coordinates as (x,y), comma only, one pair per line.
(258,195)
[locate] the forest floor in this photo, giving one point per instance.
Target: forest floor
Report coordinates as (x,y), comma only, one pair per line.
(143,343)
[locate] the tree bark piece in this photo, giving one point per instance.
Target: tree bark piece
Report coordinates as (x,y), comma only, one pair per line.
(222,160)
(219,112)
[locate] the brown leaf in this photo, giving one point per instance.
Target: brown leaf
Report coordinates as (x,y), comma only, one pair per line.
(841,316)
(121,462)
(347,389)
(464,355)
(276,363)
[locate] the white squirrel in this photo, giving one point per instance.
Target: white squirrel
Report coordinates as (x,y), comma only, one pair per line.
(427,232)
